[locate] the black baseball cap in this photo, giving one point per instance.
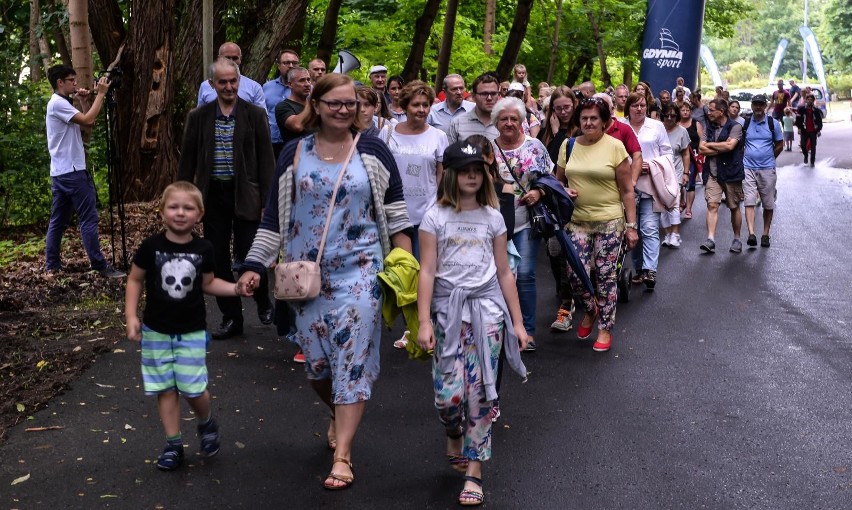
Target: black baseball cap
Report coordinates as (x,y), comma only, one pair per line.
(759,98)
(461,154)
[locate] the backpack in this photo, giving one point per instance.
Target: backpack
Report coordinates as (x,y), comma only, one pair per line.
(771,126)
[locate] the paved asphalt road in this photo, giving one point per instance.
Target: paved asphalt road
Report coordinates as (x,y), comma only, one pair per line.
(727,388)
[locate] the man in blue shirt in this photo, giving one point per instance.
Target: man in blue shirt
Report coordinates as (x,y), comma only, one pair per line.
(277,90)
(762,146)
(250,90)
(443,113)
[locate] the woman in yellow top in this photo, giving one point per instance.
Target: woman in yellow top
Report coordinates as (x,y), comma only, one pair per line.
(599,179)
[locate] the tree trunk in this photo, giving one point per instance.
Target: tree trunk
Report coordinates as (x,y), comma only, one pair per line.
(44,49)
(146,143)
(328,38)
(59,36)
(35,51)
(488,30)
(446,43)
(108,31)
(422,31)
(516,38)
(188,53)
(576,68)
(278,19)
(81,42)
(596,33)
(554,43)
(627,78)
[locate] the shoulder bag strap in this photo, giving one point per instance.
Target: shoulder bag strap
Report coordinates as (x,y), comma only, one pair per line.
(334,196)
(511,168)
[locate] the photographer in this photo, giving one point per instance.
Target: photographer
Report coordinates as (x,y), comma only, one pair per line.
(71,183)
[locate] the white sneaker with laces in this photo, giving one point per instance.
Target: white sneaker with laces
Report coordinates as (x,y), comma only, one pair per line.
(675,240)
(667,240)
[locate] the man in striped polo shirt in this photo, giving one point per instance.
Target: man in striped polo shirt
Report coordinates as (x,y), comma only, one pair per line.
(227,153)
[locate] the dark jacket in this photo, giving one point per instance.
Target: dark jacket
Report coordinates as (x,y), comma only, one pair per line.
(254,162)
(803,111)
(729,165)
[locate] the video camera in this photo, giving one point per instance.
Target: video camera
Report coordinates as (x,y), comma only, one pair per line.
(114,75)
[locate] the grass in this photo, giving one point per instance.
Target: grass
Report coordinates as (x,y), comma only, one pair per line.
(20,250)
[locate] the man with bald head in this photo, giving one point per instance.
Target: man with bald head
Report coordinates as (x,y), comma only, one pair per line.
(587,89)
(250,90)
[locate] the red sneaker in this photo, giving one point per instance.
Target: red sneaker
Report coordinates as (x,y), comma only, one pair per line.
(299,357)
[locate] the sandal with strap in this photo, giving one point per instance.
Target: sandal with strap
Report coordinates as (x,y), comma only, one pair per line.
(331,435)
(469,497)
(347,480)
(457,460)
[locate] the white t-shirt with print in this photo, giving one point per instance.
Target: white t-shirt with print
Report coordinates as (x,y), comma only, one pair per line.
(417,157)
(466,249)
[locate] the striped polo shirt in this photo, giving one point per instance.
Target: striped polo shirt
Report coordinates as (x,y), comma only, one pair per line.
(223,151)
(469,124)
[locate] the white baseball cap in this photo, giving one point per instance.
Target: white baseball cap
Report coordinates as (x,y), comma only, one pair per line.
(516,86)
(378,69)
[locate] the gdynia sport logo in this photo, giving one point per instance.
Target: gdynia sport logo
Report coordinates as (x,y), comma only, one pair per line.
(668,54)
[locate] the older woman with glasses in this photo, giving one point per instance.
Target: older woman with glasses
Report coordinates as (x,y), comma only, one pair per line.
(655,144)
(339,330)
(521,159)
(598,171)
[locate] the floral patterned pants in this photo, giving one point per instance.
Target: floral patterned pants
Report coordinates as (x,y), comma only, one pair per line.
(598,244)
(460,395)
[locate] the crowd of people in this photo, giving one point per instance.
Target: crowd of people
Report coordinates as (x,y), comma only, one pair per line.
(315,166)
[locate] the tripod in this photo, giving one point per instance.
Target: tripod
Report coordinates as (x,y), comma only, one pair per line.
(116,184)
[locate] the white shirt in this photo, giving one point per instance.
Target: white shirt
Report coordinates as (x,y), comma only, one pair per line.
(249,90)
(64,141)
(465,242)
(686,92)
(417,157)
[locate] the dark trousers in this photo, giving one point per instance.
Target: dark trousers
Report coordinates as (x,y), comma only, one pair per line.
(220,224)
(74,191)
(805,139)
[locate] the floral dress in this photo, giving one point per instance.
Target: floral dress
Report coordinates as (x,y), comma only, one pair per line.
(339,331)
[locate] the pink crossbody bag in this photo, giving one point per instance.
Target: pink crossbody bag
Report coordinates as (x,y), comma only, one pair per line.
(301,280)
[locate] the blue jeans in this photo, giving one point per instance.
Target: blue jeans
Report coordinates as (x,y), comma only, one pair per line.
(528,249)
(647,250)
(74,191)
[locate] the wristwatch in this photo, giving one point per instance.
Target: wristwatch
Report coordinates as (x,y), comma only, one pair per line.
(633,225)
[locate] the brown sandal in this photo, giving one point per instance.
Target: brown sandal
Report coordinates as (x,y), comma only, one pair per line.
(347,480)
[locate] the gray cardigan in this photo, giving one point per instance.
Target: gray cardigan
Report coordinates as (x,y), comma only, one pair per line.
(447,305)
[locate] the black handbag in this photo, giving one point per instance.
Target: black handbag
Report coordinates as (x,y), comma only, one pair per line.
(543,222)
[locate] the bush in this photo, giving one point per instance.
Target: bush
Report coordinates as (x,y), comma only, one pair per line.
(25,196)
(841,84)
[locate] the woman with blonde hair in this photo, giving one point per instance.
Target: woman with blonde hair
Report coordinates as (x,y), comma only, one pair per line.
(339,331)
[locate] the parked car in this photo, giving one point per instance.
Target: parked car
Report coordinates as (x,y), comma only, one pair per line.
(744,97)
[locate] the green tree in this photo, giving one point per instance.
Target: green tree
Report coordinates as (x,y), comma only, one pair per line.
(741,71)
(836,38)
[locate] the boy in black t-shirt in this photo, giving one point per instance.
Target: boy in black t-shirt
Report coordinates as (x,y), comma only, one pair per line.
(176,268)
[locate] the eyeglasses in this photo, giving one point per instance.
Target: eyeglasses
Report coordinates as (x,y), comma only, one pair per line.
(337,105)
(560,109)
(487,95)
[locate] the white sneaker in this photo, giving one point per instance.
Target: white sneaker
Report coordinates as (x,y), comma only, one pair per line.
(667,240)
(674,240)
(563,320)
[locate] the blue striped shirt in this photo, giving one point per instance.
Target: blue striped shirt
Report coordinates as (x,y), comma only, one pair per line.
(223,152)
